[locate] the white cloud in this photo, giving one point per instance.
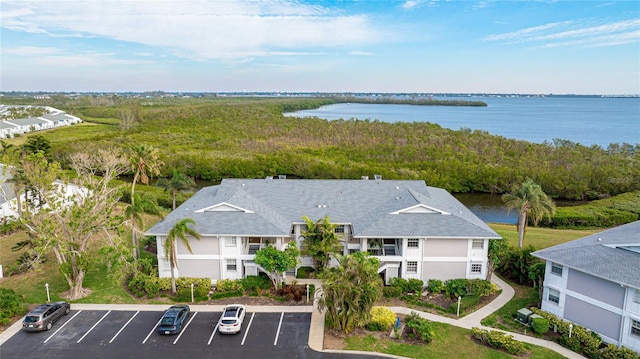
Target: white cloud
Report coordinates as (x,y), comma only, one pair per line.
(568,33)
(361,53)
(195,29)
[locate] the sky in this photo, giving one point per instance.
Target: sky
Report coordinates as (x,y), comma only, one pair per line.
(528,47)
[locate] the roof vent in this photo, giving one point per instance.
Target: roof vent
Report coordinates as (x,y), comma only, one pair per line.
(364,177)
(377,177)
(282,176)
(269,177)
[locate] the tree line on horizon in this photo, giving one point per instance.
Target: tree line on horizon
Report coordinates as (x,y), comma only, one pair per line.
(215,138)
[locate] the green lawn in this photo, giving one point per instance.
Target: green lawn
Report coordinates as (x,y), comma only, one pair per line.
(540,238)
(449,342)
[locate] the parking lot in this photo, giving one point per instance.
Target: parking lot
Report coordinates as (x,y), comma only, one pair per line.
(132,334)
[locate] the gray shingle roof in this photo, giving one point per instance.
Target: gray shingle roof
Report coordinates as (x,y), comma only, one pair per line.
(611,254)
(275,204)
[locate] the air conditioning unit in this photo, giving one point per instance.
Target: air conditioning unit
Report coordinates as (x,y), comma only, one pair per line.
(523,315)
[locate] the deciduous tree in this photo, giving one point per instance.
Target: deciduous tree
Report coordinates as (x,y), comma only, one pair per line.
(276,262)
(68,218)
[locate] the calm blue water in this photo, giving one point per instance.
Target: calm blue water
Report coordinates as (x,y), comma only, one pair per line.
(588,121)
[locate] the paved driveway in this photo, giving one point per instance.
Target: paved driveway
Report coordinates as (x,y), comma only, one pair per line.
(132,334)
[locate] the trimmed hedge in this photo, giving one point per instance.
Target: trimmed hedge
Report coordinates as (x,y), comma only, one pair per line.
(498,340)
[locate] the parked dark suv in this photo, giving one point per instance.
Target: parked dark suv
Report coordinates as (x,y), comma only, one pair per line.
(43,316)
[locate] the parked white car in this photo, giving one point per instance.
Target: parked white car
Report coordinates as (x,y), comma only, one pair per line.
(231,319)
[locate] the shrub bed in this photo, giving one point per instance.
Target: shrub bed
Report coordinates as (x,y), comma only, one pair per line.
(583,340)
(498,340)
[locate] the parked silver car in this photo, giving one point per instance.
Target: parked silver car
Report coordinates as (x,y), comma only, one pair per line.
(231,319)
(44,315)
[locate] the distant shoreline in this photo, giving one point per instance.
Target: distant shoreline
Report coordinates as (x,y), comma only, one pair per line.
(409,101)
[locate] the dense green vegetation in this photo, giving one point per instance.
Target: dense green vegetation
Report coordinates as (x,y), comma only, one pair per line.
(215,138)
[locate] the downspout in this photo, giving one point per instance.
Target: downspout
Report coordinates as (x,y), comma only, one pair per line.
(624,309)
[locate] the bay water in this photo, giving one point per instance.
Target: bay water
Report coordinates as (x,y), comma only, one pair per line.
(586,120)
(589,121)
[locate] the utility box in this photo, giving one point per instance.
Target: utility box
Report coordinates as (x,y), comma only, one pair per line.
(523,315)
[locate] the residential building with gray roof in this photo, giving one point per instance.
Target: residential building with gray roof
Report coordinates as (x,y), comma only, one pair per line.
(595,282)
(415,230)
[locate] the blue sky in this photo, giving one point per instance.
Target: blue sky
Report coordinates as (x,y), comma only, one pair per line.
(560,47)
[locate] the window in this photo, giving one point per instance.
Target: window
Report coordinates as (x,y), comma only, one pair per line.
(477,244)
(554,296)
(231,265)
(339,229)
(412,267)
(476,268)
(230,242)
(637,296)
(412,243)
(556,269)
(635,327)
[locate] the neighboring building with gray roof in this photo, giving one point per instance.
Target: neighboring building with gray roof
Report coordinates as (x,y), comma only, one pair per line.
(595,282)
(15,120)
(416,231)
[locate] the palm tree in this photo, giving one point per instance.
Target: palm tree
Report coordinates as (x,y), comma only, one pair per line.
(144,162)
(135,210)
(180,231)
(350,290)
(531,203)
(320,242)
(179,182)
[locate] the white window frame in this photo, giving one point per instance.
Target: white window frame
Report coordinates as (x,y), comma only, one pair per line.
(557,269)
(412,267)
(553,296)
(232,265)
(636,297)
(339,229)
(477,244)
(230,242)
(476,268)
(413,243)
(635,327)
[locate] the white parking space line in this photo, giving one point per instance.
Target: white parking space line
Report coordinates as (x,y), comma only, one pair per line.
(278,331)
(124,326)
(185,327)
(246,331)
(95,325)
(215,329)
(152,330)
(67,322)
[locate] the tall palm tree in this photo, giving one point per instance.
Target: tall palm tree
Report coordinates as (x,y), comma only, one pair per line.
(180,231)
(135,211)
(531,203)
(144,161)
(179,182)
(350,290)
(321,242)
